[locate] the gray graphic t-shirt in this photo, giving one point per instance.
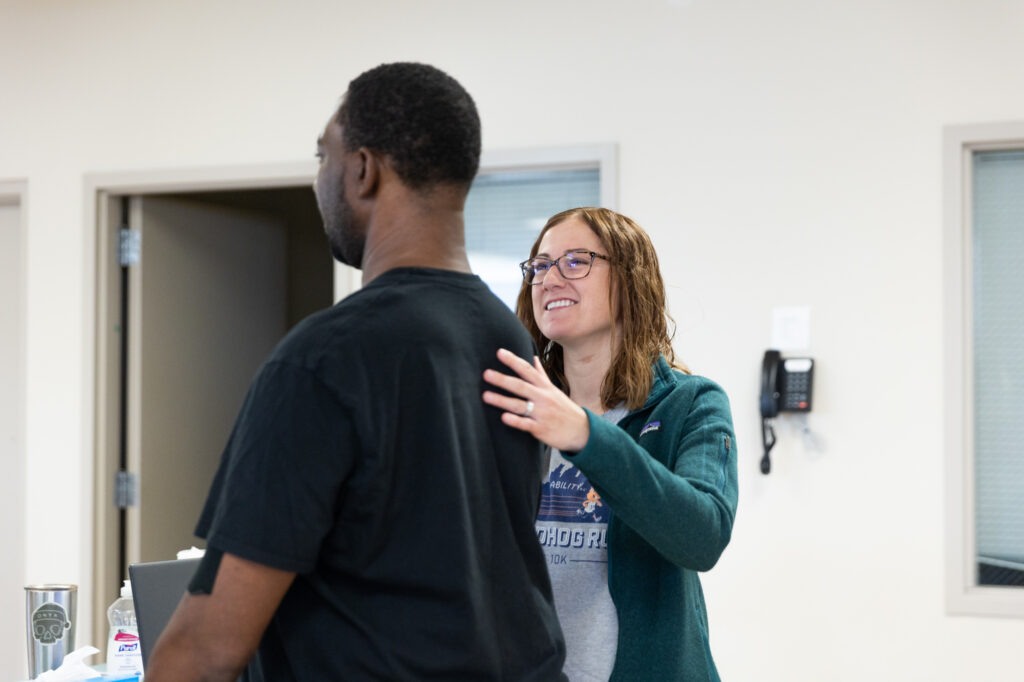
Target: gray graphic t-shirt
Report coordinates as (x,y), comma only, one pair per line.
(572,526)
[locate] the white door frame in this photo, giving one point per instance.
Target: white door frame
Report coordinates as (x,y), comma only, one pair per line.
(15,193)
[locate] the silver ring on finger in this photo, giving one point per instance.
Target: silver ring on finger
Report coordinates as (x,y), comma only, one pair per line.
(529,408)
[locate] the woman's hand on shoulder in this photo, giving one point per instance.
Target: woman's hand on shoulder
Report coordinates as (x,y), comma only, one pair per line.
(536,405)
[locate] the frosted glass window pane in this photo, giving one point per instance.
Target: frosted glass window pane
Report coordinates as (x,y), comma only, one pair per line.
(998,305)
(505,212)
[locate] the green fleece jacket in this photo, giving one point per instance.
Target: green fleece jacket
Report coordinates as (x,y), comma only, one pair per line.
(668,475)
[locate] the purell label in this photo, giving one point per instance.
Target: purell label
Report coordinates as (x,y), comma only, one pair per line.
(123,653)
(126,642)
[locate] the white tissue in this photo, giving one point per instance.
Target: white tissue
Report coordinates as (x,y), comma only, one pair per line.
(191,553)
(73,667)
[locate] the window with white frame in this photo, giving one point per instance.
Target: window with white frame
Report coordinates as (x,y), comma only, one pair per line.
(514,195)
(984,273)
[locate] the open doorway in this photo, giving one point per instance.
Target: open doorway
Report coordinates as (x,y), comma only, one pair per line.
(190,301)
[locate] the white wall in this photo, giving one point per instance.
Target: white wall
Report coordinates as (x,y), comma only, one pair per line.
(779,152)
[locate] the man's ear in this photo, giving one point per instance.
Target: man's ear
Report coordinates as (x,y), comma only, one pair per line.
(367,174)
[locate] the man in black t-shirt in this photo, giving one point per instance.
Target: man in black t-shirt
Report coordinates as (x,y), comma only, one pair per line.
(371,518)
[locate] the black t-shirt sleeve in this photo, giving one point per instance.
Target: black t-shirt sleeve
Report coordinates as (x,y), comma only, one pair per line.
(274,498)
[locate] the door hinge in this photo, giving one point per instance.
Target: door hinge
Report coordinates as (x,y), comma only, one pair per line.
(126,490)
(129,247)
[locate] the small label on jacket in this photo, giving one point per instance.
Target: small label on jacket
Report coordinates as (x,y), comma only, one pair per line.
(650,426)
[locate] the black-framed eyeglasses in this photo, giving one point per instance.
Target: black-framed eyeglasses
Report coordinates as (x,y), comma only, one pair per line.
(573,264)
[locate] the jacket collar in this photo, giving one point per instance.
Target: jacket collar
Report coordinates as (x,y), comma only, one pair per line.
(663,381)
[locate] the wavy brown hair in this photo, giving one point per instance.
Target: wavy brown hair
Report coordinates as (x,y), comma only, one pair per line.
(637,294)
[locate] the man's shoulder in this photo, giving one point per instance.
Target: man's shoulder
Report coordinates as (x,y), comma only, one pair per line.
(411,310)
(425,298)
(322,325)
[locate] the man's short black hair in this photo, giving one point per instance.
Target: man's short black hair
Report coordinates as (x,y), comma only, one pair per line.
(419,117)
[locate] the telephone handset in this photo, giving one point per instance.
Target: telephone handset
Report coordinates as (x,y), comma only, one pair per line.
(786,385)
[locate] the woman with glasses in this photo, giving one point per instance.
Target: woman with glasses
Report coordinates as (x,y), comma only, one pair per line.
(641,491)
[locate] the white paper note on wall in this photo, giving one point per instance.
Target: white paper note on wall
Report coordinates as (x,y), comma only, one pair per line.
(791,328)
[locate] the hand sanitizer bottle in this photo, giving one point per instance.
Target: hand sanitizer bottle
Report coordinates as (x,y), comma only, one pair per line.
(123,652)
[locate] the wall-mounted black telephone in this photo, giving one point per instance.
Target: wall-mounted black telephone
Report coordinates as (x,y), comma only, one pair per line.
(786,385)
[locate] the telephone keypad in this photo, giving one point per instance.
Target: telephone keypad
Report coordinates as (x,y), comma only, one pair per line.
(796,392)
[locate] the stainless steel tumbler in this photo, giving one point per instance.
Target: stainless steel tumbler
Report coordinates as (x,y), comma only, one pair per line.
(50,617)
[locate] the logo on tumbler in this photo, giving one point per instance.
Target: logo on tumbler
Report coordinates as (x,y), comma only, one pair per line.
(49,622)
